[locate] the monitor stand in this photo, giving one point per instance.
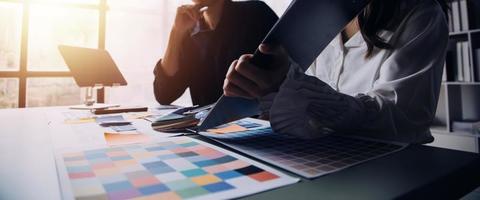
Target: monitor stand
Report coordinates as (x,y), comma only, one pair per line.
(89,98)
(89,102)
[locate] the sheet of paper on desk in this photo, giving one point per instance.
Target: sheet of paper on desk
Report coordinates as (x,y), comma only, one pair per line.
(171,168)
(78,117)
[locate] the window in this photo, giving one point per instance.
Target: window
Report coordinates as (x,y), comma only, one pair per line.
(10,34)
(51,26)
(32,72)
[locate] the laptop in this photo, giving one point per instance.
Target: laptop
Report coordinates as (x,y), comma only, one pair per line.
(91,67)
(304,30)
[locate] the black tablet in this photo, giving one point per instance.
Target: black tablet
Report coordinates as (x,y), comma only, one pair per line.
(304,30)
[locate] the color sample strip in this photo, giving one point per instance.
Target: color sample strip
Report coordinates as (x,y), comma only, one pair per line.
(122,139)
(176,168)
(228,129)
(238,129)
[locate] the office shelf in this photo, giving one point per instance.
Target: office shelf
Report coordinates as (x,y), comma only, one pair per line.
(459,100)
(460,83)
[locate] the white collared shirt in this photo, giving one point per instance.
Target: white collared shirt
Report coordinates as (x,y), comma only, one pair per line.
(344,67)
(404,81)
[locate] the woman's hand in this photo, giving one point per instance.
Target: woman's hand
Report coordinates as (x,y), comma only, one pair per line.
(246,80)
(307,107)
(186,18)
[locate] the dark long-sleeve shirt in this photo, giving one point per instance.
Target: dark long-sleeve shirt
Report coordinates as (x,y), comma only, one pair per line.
(207,54)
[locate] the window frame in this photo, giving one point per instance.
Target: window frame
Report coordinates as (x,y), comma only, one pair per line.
(23,74)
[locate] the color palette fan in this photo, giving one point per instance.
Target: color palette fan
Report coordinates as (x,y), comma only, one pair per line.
(175,168)
(308,158)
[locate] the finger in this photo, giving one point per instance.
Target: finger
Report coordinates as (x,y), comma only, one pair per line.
(187,10)
(232,68)
(272,49)
(252,72)
(198,6)
(183,11)
(245,58)
(194,13)
(190,14)
(245,84)
(231,90)
(195,9)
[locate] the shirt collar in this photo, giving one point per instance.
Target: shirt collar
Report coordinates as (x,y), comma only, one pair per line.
(355,41)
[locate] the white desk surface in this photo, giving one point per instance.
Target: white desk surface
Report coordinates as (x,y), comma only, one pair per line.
(28,139)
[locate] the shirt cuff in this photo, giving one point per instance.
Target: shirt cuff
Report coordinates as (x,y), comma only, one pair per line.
(266,103)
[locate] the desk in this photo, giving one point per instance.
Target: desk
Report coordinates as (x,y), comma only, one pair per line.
(27,168)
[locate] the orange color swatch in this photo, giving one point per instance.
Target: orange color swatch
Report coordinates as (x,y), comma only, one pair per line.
(121,139)
(228,129)
(264,176)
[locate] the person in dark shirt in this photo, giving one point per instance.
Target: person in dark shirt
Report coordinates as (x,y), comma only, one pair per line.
(206,37)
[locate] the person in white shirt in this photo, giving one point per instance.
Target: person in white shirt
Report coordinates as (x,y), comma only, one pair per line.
(379,78)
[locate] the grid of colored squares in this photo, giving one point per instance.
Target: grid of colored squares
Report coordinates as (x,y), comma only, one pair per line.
(254,130)
(176,169)
(247,124)
(308,158)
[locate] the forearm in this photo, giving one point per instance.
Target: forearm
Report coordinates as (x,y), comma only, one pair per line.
(392,121)
(168,88)
(171,60)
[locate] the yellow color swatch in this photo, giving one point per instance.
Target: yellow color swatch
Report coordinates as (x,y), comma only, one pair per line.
(206,179)
(138,115)
(79,121)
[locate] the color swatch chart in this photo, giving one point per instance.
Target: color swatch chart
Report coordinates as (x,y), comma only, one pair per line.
(308,158)
(175,168)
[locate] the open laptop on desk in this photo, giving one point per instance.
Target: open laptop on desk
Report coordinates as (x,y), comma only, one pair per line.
(94,69)
(91,67)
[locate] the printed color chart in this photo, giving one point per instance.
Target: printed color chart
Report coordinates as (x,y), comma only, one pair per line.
(308,158)
(175,168)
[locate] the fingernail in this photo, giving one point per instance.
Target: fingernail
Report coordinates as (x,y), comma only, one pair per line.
(264,46)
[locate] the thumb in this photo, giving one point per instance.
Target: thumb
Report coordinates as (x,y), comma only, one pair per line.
(272,49)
